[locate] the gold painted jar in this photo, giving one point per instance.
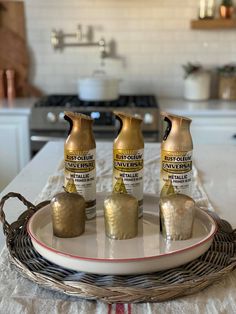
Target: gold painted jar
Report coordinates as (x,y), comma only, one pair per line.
(227,87)
(121,213)
(177,216)
(68,214)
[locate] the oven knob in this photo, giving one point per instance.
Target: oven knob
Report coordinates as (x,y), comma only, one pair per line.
(61,117)
(51,117)
(137,115)
(148,118)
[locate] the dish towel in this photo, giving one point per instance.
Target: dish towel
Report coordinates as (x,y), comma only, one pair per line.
(20,295)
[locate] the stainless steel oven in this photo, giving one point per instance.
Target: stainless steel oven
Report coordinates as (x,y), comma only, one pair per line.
(47,118)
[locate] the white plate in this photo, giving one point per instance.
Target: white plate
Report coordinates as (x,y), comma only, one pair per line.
(93,252)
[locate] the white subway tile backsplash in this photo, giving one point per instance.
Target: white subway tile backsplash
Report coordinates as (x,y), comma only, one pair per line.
(153,40)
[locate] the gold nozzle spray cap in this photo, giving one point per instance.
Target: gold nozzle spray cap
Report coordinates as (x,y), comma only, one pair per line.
(78,119)
(129,116)
(75,116)
(174,120)
(126,119)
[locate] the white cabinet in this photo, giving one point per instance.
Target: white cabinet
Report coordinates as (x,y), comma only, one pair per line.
(213,121)
(14,146)
(213,129)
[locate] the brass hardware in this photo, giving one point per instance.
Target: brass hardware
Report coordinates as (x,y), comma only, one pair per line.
(58,41)
(55,39)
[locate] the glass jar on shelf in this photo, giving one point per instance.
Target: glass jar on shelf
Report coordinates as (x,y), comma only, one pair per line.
(226,9)
(227,81)
(206,9)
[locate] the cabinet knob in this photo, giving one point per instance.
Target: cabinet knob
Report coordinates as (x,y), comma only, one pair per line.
(234,136)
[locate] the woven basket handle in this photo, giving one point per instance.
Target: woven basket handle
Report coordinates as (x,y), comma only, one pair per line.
(29,205)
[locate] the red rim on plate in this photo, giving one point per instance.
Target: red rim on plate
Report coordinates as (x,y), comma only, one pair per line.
(34,237)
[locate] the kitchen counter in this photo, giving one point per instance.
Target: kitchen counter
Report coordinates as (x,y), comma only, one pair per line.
(31,180)
(219,179)
(210,107)
(17,106)
(216,171)
(174,105)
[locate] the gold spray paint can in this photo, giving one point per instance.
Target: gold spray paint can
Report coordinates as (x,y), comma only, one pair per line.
(128,153)
(80,159)
(176,156)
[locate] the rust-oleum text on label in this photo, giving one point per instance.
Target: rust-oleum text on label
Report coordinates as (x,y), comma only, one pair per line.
(128,160)
(176,172)
(80,166)
(128,164)
(176,164)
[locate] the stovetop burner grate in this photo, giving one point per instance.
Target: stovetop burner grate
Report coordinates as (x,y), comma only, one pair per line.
(69,101)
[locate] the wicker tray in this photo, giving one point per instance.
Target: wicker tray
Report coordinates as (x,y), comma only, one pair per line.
(219,260)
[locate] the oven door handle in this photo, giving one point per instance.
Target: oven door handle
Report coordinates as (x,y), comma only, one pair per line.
(38,138)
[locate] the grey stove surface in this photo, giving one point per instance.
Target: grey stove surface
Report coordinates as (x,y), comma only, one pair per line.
(47,118)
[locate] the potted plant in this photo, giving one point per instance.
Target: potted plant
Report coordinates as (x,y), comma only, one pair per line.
(226,9)
(227,81)
(196,82)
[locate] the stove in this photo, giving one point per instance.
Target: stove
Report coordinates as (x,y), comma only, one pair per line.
(47,117)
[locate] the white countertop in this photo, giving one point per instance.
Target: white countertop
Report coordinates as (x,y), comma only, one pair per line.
(213,162)
(31,180)
(19,106)
(175,105)
(211,107)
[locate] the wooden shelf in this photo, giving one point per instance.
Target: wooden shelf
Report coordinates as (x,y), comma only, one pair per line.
(213,24)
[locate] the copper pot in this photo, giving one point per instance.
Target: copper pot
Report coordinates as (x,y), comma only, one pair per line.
(226,12)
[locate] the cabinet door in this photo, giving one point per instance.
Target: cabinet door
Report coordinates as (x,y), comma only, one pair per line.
(14,146)
(214,130)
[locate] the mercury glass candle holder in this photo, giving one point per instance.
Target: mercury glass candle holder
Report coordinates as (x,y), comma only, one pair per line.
(68,214)
(121,216)
(176,216)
